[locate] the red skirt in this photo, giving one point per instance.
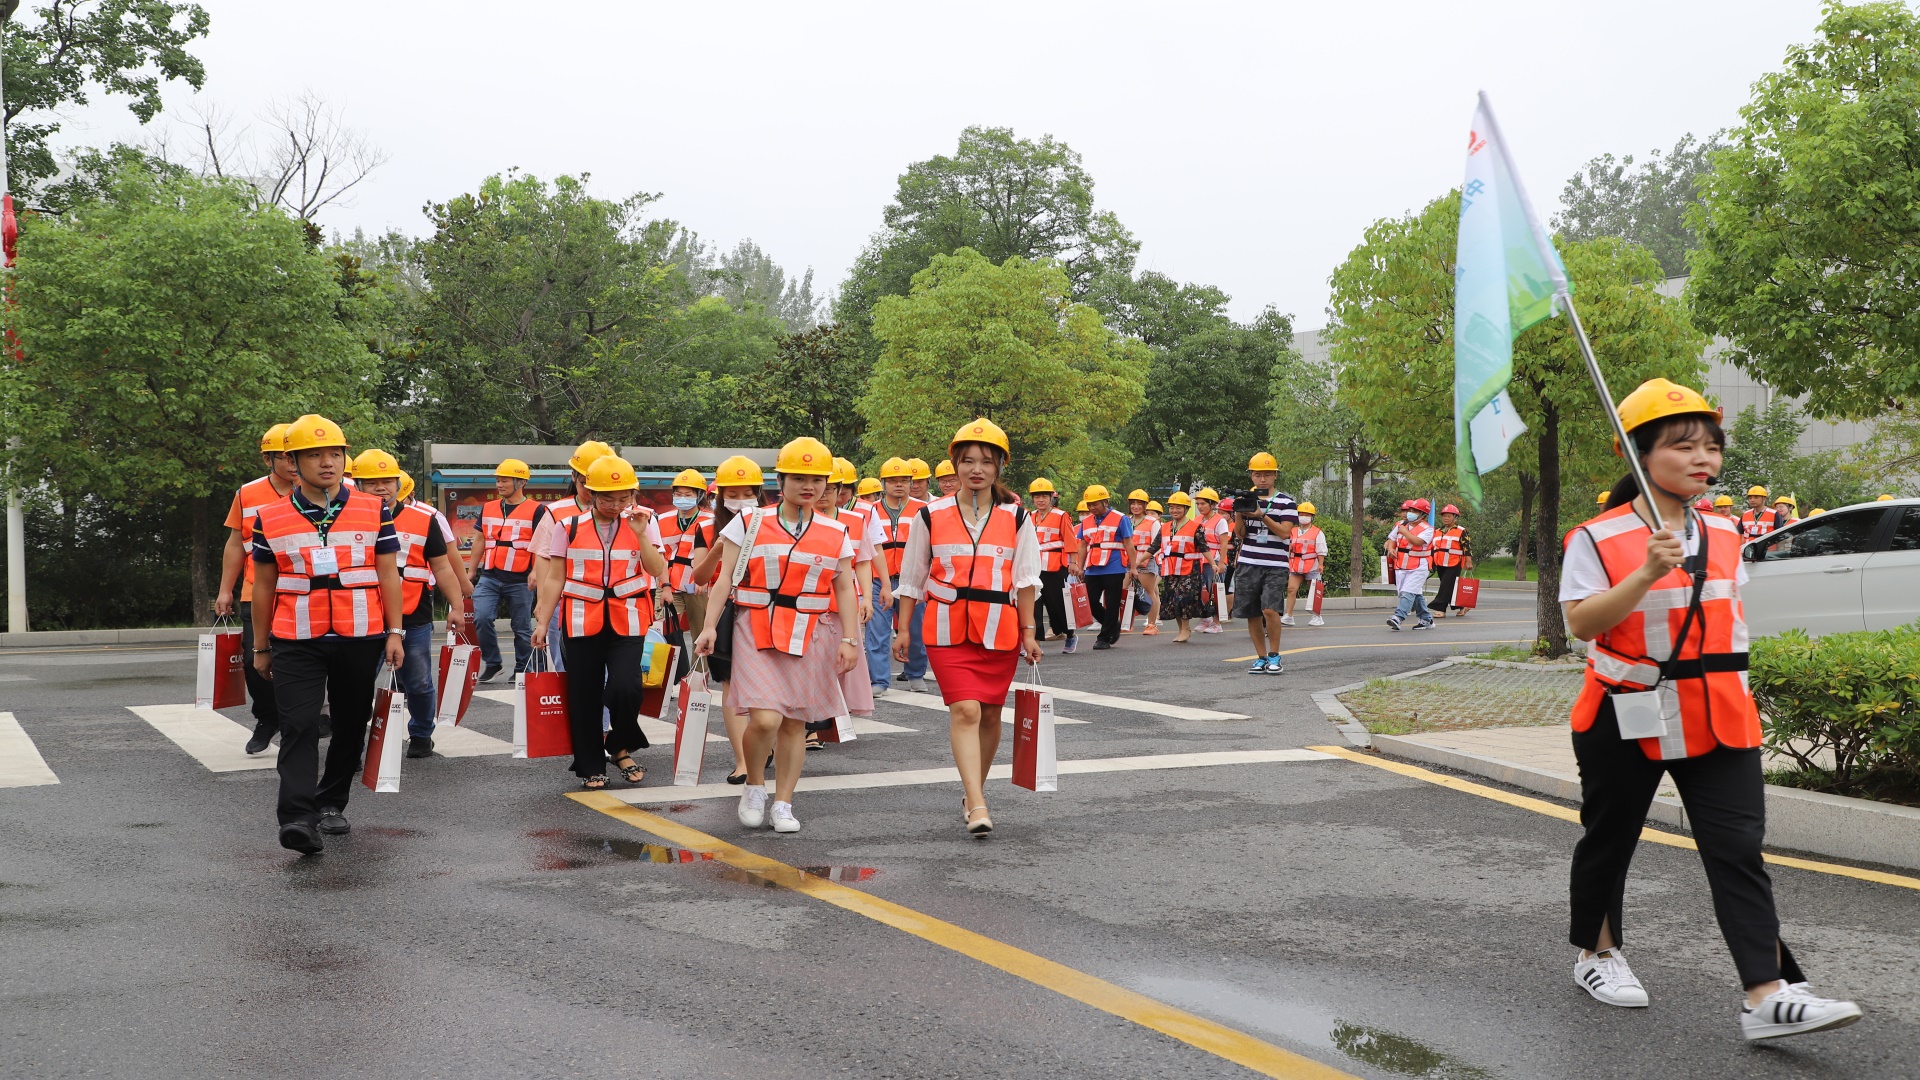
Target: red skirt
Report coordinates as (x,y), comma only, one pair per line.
(970,672)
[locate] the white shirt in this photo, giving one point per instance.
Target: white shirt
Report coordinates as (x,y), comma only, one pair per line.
(1320,544)
(736,531)
(1582,574)
(557,545)
(917,560)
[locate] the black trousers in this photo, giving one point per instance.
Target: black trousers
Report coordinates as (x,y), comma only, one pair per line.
(1444,598)
(603,671)
(1105,596)
(266,709)
(1726,807)
(306,673)
(1052,607)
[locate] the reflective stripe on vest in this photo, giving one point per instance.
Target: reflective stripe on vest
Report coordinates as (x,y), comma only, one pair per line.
(1052,529)
(893,534)
(1710,674)
(253,495)
(679,540)
(1305,552)
(508,535)
(346,603)
(970,582)
(789,581)
(1411,546)
(607,584)
(1449,546)
(1102,538)
(412,524)
(1184,549)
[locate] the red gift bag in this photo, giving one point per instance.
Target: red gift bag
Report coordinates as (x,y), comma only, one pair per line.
(653,699)
(840,731)
(1319,594)
(1082,607)
(461,631)
(1034,767)
(386,741)
(220,681)
(459,672)
(1466,592)
(540,712)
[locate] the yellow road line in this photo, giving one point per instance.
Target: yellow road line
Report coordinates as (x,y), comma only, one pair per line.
(1374,645)
(1566,813)
(1262,1057)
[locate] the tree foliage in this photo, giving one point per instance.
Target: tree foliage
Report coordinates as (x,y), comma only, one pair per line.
(748,276)
(1646,205)
(1809,246)
(1308,428)
(1007,342)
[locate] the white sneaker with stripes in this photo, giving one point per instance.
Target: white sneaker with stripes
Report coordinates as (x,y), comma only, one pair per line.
(1795,1011)
(1607,977)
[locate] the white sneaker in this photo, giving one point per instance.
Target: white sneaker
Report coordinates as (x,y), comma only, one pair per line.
(753,806)
(1607,977)
(1316,621)
(783,819)
(1286,620)
(1795,1011)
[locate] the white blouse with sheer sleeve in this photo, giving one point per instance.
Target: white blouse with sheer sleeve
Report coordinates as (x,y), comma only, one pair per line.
(917,559)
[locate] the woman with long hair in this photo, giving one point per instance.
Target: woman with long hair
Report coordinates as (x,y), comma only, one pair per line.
(789,649)
(737,485)
(1666,693)
(974,561)
(1186,552)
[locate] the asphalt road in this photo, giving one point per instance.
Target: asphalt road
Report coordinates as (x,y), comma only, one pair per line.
(479,923)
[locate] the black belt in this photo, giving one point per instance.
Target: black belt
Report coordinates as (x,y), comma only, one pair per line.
(683,561)
(781,599)
(893,543)
(982,596)
(1700,667)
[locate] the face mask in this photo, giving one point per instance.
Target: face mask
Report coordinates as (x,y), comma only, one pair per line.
(1413,515)
(1306,519)
(740,506)
(685,502)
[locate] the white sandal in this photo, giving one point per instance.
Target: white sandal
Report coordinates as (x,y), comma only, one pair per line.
(981,827)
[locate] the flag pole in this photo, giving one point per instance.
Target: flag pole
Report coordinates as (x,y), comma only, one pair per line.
(1652,516)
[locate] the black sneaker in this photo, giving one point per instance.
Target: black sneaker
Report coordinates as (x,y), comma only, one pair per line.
(333,822)
(902,677)
(1102,645)
(1393,622)
(299,836)
(487,673)
(418,747)
(263,734)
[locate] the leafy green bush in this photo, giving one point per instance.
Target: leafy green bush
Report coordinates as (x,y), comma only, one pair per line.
(1845,705)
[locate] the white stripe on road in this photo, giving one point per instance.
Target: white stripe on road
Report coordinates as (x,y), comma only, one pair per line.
(20,762)
(451,741)
(911,777)
(661,732)
(1155,708)
(928,701)
(212,739)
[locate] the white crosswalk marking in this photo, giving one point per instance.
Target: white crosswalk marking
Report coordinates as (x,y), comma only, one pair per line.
(1155,708)
(450,741)
(929,701)
(20,762)
(212,739)
(660,732)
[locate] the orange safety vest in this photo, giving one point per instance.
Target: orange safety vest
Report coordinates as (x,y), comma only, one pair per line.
(508,535)
(1303,555)
(893,534)
(1146,537)
(970,582)
(1186,549)
(1054,531)
(1710,672)
(1410,549)
(349,604)
(1755,524)
(1449,546)
(789,582)
(606,581)
(412,523)
(1100,538)
(679,539)
(253,495)
(856,522)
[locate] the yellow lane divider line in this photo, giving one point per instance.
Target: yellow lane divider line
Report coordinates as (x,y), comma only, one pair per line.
(1262,1057)
(1567,813)
(1375,645)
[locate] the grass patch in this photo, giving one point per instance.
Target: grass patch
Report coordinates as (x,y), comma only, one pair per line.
(1880,785)
(1465,697)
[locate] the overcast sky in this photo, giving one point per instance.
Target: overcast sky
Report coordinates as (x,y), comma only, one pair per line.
(1247,145)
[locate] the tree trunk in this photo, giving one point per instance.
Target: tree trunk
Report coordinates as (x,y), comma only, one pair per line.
(1526,526)
(202,589)
(1357,469)
(1552,623)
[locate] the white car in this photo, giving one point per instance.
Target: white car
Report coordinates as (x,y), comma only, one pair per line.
(1854,568)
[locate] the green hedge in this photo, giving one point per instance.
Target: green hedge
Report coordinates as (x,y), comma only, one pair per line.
(1853,696)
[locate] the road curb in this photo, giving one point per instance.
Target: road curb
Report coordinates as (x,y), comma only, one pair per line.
(41,638)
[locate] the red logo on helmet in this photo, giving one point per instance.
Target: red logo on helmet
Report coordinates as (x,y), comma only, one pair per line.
(1675,395)
(319,433)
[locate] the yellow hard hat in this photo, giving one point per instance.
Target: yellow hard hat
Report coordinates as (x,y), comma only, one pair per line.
(1307,508)
(690,478)
(1040,484)
(738,471)
(1154,506)
(275,440)
(406,487)
(347,469)
(1138,495)
(514,469)
(1723,500)
(943,467)
(1082,507)
(869,486)
(1095,493)
(920,470)
(312,431)
(1788,499)
(1657,398)
(1602,500)
(895,467)
(1180,498)
(843,472)
(1816,511)
(1208,494)
(375,465)
(1263,462)
(1884,498)
(587,453)
(805,456)
(1757,490)
(611,473)
(982,430)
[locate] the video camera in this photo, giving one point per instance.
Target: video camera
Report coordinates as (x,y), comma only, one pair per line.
(1246,503)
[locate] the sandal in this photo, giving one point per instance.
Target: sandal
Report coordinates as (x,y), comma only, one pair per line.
(813,741)
(736,778)
(632,770)
(593,783)
(983,825)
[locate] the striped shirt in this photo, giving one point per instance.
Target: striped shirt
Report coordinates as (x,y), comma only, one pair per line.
(1261,547)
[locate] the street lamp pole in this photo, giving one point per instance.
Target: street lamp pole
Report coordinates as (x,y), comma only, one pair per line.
(16,520)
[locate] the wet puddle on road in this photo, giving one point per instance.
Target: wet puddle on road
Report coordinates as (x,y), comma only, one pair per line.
(1306,1025)
(566,849)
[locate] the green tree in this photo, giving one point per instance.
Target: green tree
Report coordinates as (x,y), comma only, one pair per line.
(163,329)
(808,387)
(1007,342)
(126,47)
(1763,448)
(1807,235)
(1309,429)
(1393,342)
(1645,205)
(748,276)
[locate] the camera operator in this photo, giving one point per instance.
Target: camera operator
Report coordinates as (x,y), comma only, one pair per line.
(1263,521)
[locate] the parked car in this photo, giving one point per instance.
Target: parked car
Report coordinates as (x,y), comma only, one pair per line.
(1854,568)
